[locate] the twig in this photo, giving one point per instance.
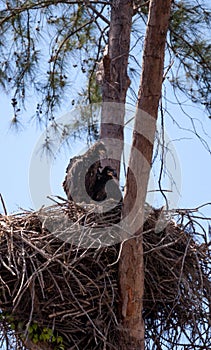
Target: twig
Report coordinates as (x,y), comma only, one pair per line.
(3,204)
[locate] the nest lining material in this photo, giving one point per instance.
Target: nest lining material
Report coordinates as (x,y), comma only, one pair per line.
(73,290)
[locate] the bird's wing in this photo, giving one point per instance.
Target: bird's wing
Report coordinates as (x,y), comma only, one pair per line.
(81,173)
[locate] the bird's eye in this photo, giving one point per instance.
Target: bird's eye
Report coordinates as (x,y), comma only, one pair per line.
(110,173)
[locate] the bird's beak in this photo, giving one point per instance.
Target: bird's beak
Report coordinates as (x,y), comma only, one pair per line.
(112,173)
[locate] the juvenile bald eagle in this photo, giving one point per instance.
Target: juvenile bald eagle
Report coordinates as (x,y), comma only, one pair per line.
(81,174)
(106,185)
(86,180)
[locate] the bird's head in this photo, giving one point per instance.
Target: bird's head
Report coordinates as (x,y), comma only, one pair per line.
(106,185)
(108,173)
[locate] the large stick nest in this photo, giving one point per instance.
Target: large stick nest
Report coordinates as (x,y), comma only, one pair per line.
(66,294)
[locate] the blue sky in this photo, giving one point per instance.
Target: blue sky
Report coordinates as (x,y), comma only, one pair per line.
(193,161)
(17,149)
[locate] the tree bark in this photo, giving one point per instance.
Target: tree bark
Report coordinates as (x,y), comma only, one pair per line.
(131,266)
(115,80)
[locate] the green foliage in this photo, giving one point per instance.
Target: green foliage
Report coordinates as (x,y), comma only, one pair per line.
(40,46)
(52,48)
(46,335)
(190,42)
(34,331)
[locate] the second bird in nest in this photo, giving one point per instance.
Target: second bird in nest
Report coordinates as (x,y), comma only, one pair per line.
(106,186)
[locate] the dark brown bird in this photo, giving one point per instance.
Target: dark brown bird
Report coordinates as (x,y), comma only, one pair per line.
(106,185)
(81,174)
(86,180)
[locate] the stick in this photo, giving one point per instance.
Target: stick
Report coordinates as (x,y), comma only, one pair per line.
(3,204)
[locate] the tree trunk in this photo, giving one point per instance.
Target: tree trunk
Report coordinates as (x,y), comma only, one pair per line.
(115,80)
(131,267)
